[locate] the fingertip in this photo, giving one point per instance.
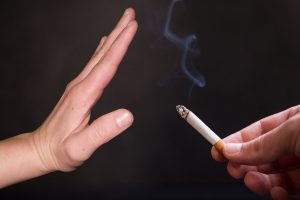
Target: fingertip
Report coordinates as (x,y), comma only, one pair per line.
(234,172)
(131,30)
(132,23)
(130,11)
(136,23)
(100,44)
(258,183)
(239,171)
(216,155)
(279,193)
(102,40)
(124,118)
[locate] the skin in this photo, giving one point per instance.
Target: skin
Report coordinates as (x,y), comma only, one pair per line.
(66,139)
(267,155)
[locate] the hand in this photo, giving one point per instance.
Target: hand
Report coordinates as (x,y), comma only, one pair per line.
(268,155)
(65,140)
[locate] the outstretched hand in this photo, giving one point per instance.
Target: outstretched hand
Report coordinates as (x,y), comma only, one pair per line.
(66,139)
(267,155)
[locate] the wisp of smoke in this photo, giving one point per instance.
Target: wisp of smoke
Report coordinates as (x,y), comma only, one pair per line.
(185,44)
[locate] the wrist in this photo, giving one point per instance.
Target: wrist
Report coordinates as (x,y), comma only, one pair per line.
(19,160)
(42,152)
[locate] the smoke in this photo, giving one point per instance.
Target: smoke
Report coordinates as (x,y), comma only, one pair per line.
(187,47)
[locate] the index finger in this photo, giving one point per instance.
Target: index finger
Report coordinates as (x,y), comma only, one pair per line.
(91,88)
(257,129)
(128,16)
(83,96)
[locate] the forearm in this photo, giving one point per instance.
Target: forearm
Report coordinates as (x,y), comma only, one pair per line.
(19,160)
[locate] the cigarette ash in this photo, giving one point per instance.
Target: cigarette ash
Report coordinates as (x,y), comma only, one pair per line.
(183,111)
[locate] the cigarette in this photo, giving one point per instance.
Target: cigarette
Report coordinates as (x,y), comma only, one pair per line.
(199,125)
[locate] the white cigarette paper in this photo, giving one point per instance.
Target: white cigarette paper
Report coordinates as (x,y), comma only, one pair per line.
(195,122)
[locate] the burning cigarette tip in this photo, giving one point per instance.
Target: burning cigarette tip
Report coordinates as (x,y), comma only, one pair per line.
(183,111)
(200,126)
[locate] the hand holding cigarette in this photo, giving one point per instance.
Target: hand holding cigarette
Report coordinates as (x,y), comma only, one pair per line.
(66,139)
(268,154)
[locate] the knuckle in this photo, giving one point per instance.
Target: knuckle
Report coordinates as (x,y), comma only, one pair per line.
(297,108)
(73,91)
(258,145)
(292,129)
(292,125)
(70,85)
(76,94)
(71,95)
(80,96)
(256,148)
(99,134)
(262,125)
(293,111)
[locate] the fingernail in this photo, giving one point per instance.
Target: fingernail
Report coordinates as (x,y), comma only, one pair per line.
(124,120)
(126,11)
(103,38)
(231,148)
(130,23)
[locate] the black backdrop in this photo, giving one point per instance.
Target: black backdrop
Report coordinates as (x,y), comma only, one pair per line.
(249,57)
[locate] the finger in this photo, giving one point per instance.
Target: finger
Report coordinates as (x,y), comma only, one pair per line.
(80,99)
(216,155)
(64,106)
(102,41)
(239,171)
(282,165)
(127,17)
(71,84)
(93,85)
(77,103)
(269,147)
(262,126)
(257,129)
(279,193)
(262,183)
(80,147)
(254,130)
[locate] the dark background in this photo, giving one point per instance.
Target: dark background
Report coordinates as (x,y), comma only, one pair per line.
(249,57)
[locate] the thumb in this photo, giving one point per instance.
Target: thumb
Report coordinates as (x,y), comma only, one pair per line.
(266,148)
(82,145)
